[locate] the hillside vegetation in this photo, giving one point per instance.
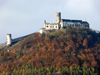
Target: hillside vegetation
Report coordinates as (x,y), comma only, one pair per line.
(70,51)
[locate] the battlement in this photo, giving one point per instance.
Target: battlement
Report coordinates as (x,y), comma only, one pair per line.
(51,24)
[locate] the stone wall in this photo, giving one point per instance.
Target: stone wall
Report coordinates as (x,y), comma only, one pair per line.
(76,24)
(49,26)
(20,38)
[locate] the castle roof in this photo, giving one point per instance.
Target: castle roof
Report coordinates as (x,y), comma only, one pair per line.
(85,22)
(68,20)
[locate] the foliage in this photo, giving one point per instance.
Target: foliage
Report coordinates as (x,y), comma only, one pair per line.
(31,70)
(70,51)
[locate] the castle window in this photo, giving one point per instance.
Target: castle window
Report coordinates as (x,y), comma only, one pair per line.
(56,26)
(51,26)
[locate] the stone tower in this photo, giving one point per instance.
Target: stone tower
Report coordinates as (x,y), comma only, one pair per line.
(8,39)
(58,17)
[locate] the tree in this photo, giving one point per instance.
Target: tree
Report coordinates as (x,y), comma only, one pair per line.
(85,43)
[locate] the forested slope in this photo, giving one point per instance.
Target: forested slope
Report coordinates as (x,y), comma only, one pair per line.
(67,51)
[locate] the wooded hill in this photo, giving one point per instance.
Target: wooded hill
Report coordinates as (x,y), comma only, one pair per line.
(70,51)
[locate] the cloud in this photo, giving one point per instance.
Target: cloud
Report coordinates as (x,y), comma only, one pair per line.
(80,5)
(97,6)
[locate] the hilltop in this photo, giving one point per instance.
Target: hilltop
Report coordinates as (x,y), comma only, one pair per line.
(70,50)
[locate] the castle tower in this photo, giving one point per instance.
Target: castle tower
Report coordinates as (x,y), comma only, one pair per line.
(61,23)
(8,39)
(58,17)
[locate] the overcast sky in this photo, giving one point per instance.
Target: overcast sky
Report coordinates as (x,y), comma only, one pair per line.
(22,17)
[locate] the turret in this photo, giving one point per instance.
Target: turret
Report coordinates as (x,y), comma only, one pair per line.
(9,39)
(44,23)
(58,17)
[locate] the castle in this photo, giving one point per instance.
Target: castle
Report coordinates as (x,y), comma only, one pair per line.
(60,23)
(63,23)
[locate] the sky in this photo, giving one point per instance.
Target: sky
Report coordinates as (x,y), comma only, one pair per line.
(23,17)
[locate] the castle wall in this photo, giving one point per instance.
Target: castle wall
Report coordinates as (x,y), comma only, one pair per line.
(20,38)
(42,30)
(72,24)
(49,26)
(85,25)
